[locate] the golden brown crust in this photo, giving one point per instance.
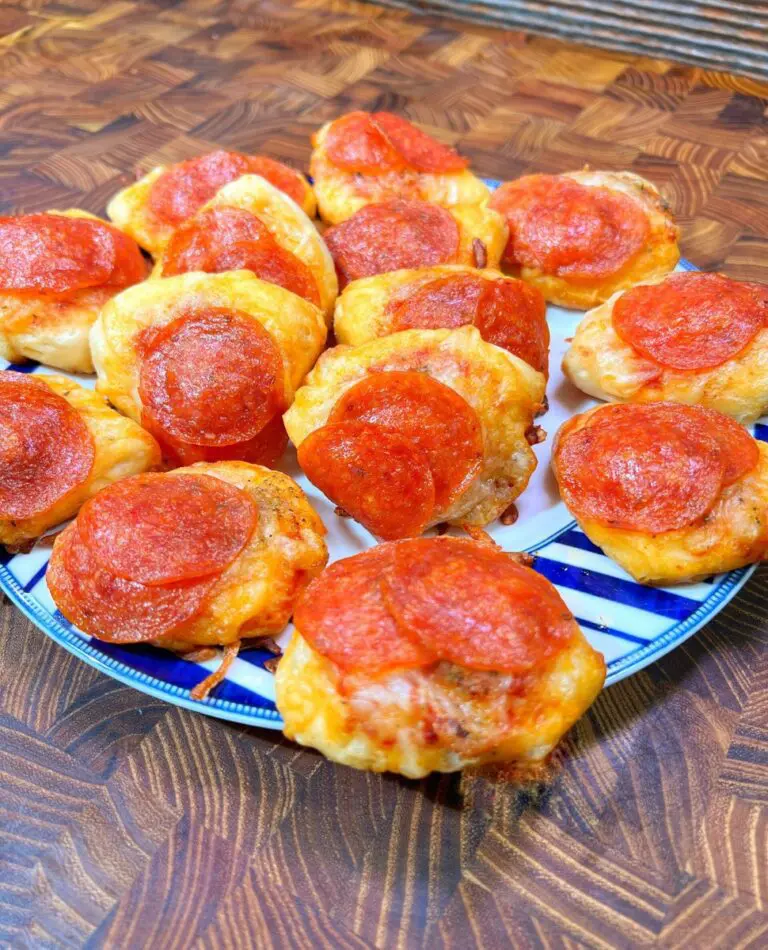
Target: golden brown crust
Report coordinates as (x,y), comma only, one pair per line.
(602,365)
(340,193)
(121,446)
(288,224)
(733,534)
(504,391)
(255,595)
(389,722)
(297,326)
(656,259)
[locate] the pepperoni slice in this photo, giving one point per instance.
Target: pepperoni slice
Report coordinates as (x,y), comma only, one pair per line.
(432,416)
(377,476)
(178,193)
(739,451)
(356,144)
(130,267)
(111,608)
(222,239)
(509,313)
(210,377)
(390,236)
(651,467)
(444,303)
(419,150)
(512,315)
(343,616)
(46,449)
(691,321)
(56,253)
(475,606)
(161,529)
(562,227)
(266,448)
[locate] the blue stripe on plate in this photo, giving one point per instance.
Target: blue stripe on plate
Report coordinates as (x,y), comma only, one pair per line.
(22,367)
(171,669)
(577,539)
(611,632)
(614,589)
(761,431)
(36,577)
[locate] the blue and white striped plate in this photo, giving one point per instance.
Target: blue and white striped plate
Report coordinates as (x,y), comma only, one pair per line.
(630,624)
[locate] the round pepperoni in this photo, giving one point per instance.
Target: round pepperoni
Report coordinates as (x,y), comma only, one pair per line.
(287,179)
(419,150)
(432,416)
(512,315)
(222,239)
(651,467)
(565,228)
(390,236)
(443,303)
(50,252)
(46,449)
(739,451)
(691,321)
(267,447)
(130,267)
(474,605)
(356,144)
(377,476)
(343,616)
(56,253)
(110,607)
(161,529)
(210,377)
(178,193)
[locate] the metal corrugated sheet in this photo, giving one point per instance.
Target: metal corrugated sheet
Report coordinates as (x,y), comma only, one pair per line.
(718,34)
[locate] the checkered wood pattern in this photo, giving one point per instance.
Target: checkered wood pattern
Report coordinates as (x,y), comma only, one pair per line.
(125,822)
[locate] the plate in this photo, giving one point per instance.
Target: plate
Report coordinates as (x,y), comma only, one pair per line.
(630,624)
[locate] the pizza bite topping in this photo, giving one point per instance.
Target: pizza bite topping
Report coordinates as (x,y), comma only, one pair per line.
(392,235)
(224,239)
(650,467)
(433,417)
(54,253)
(159,530)
(143,556)
(508,313)
(46,449)
(412,604)
(562,227)
(184,187)
(372,144)
(691,322)
(210,377)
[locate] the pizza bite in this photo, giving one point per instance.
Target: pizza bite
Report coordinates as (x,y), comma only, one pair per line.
(582,236)
(251,225)
(152,208)
(397,234)
(432,655)
(207,555)
(507,312)
(362,158)
(207,362)
(56,270)
(418,428)
(691,337)
(671,492)
(59,445)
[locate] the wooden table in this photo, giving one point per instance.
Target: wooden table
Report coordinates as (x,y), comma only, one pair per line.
(128,823)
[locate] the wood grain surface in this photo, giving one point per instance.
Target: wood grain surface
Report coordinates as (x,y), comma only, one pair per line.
(128,823)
